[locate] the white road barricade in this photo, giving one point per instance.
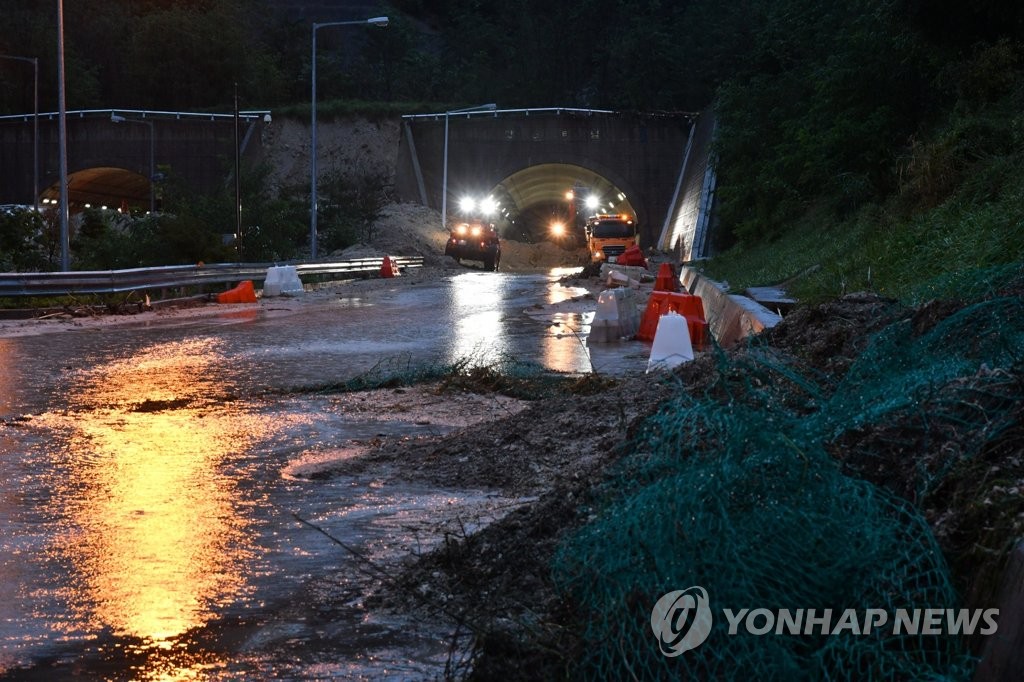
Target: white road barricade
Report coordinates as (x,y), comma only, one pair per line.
(282,279)
(617,316)
(672,345)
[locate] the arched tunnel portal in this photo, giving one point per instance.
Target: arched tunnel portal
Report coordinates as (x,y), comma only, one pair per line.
(530,159)
(103,187)
(530,200)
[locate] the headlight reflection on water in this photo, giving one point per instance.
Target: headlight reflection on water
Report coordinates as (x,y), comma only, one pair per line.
(150,530)
(479,321)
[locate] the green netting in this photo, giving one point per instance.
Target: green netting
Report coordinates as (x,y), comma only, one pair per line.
(736,491)
(898,370)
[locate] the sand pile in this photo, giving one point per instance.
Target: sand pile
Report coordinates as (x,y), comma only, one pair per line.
(415,230)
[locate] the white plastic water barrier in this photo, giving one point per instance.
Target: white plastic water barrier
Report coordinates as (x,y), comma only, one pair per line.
(672,344)
(617,316)
(282,279)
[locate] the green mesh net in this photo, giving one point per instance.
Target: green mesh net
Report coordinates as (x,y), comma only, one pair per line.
(738,490)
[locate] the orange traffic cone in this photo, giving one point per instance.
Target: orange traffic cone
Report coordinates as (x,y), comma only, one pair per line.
(666,280)
(243,293)
(389,268)
(246,292)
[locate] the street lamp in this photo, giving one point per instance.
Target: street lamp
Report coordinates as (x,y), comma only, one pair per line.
(375,21)
(62,143)
(152,168)
(238,185)
(35,125)
(444,172)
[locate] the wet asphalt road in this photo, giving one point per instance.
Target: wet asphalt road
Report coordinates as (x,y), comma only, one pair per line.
(148,524)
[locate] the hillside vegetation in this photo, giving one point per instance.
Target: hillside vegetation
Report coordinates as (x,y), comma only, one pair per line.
(891,161)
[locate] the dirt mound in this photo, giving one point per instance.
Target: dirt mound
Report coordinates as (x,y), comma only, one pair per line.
(415,230)
(403,230)
(523,256)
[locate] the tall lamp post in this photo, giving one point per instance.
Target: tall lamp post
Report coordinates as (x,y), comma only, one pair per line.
(238,184)
(62,143)
(375,21)
(444,171)
(152,168)
(35,125)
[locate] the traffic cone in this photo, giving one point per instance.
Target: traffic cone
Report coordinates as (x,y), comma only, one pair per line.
(229,296)
(666,280)
(243,293)
(246,292)
(389,268)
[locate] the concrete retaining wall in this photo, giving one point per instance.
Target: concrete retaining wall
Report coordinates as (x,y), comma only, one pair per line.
(730,317)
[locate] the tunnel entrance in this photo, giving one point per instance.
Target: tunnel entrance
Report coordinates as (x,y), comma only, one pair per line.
(532,202)
(103,188)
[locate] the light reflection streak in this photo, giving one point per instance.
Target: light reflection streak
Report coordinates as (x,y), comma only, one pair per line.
(563,344)
(152,530)
(480,333)
(8,376)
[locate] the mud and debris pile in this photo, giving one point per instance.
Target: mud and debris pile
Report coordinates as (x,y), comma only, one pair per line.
(415,230)
(909,418)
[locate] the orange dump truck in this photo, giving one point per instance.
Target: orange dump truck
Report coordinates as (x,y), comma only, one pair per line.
(608,236)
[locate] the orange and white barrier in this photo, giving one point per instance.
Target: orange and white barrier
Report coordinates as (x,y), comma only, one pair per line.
(688,306)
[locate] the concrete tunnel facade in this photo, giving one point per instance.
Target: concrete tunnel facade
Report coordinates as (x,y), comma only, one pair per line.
(534,156)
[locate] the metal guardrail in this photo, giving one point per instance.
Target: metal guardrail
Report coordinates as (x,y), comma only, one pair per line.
(148,114)
(175,276)
(494,113)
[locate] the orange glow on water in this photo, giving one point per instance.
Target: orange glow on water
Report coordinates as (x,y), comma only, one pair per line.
(6,375)
(151,524)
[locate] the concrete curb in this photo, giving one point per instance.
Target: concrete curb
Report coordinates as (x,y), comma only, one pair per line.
(730,317)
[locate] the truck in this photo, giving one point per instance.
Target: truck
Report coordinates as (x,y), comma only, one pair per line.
(475,240)
(609,235)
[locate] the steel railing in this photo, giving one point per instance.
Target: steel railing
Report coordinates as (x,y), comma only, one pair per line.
(175,276)
(148,114)
(494,113)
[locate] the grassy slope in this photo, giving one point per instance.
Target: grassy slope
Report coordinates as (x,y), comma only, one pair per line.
(919,244)
(955,250)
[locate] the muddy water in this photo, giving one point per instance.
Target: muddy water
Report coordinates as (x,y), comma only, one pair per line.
(151,525)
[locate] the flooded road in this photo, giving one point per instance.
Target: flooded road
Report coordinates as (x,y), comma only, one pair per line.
(150,522)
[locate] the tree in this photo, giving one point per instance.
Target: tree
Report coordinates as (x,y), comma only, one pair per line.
(21,232)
